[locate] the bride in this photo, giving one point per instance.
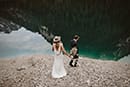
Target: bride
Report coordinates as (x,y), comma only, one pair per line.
(58,69)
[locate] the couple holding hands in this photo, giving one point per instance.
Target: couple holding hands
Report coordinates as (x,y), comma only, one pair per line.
(58,69)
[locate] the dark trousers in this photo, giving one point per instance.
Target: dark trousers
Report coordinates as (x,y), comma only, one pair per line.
(75,60)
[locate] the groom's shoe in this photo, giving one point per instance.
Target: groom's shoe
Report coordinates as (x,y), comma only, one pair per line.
(75,65)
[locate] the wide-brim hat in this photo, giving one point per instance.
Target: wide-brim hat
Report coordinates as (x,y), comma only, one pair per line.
(56,39)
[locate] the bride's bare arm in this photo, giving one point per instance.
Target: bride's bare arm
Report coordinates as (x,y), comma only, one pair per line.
(64,51)
(53,47)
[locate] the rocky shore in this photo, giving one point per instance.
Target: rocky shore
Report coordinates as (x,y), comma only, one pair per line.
(35,71)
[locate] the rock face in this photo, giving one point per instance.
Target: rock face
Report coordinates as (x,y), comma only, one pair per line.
(35,71)
(7,26)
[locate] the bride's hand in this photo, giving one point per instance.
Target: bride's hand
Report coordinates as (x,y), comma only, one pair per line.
(69,55)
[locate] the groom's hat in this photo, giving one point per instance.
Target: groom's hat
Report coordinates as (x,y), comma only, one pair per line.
(76,37)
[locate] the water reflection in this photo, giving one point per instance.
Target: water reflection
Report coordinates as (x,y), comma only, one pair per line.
(23,42)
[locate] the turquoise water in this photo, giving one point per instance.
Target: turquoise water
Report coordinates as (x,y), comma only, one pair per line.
(12,45)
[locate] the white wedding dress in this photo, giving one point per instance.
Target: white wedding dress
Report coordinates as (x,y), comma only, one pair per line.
(58,69)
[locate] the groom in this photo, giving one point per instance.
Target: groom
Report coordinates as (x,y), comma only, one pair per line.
(74,51)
